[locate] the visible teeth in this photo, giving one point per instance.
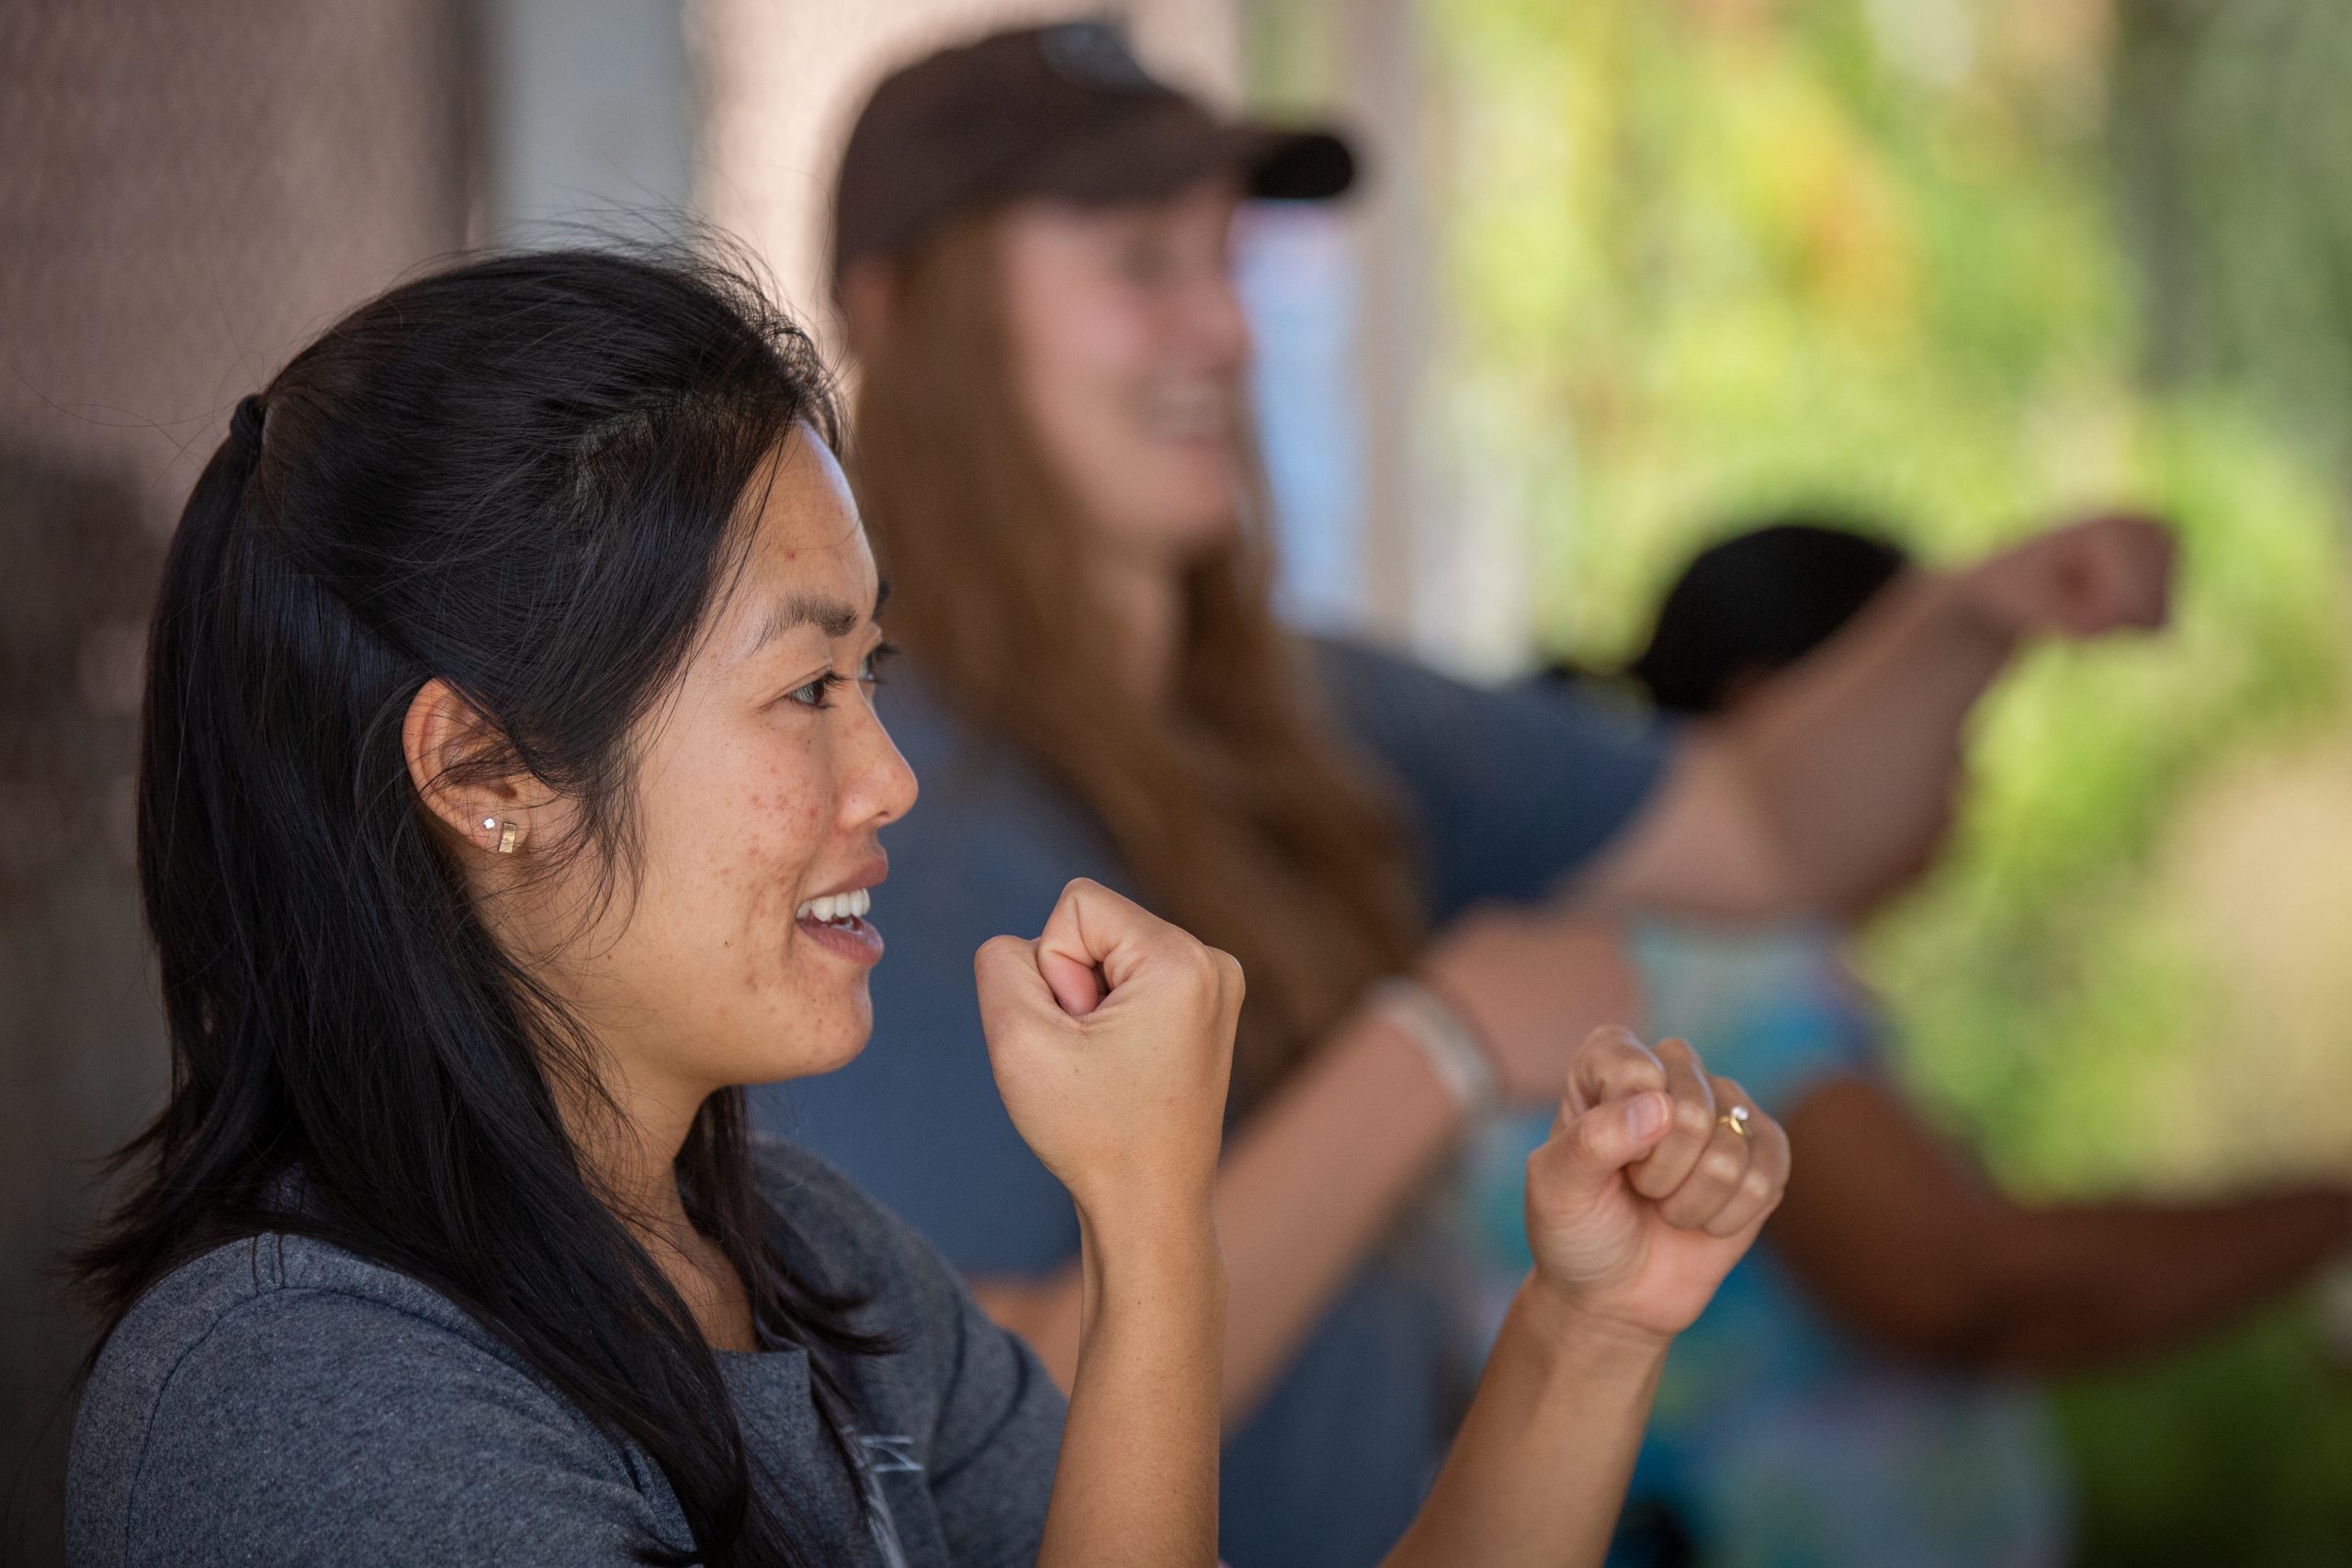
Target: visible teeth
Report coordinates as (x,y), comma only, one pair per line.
(836,907)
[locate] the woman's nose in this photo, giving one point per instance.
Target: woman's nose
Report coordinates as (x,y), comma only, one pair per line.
(1217,321)
(883,788)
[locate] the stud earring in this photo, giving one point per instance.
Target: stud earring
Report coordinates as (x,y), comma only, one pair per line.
(509,835)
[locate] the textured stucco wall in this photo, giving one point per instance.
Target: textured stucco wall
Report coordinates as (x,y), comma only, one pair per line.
(188,187)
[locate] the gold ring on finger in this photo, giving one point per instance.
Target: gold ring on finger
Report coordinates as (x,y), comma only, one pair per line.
(1735,1120)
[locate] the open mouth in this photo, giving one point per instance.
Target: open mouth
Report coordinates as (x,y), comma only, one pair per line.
(837,922)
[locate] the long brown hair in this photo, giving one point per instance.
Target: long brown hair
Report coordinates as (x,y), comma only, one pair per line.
(1235,805)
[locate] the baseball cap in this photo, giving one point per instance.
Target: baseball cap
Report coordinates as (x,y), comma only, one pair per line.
(1064,110)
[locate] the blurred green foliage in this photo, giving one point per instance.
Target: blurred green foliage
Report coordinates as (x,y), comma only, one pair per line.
(2232,137)
(1922,259)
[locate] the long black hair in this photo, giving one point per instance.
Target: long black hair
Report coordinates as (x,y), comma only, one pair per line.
(526,475)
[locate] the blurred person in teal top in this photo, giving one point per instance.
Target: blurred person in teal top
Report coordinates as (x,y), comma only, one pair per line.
(1862,1390)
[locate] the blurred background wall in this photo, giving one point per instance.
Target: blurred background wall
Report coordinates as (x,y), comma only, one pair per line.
(1624,271)
(186,190)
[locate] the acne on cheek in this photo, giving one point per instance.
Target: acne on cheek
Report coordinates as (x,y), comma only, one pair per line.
(784,827)
(789,801)
(780,807)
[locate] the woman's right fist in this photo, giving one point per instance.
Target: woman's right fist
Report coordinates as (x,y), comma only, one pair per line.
(1111,1035)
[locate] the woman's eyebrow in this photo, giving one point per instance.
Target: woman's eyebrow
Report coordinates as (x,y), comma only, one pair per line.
(834,617)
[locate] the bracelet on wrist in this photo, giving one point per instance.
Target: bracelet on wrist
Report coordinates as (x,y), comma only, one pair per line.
(1455,1053)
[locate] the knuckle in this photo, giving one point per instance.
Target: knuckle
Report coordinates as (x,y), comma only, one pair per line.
(1585,1137)
(1689,1116)
(1756,1185)
(1194,967)
(1229,974)
(1719,1166)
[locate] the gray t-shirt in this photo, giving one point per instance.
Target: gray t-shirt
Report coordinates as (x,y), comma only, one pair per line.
(281,1401)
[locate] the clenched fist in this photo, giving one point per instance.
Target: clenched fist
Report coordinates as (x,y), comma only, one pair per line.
(2086,578)
(1643,1198)
(1111,1035)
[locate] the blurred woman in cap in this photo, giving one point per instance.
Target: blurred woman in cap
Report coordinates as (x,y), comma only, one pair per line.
(1055,456)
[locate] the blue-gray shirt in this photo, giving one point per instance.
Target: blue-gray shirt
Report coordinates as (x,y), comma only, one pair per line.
(1504,791)
(280,1401)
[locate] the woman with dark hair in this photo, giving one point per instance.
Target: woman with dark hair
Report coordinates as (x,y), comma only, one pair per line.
(1861,1391)
(1032,251)
(508,800)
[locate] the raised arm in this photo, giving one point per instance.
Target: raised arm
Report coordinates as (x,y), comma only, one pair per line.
(1316,1178)
(1837,776)
(1112,1039)
(1639,1204)
(1900,1237)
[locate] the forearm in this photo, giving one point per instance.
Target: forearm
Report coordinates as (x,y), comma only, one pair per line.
(2089,1286)
(1537,1474)
(1306,1190)
(1314,1183)
(1137,1480)
(1847,759)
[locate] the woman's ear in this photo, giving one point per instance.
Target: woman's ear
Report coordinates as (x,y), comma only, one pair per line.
(444,738)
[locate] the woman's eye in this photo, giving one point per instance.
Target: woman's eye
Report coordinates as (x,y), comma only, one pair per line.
(817,693)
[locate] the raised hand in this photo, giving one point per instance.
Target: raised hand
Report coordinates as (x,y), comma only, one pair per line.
(1643,1197)
(1111,1038)
(2086,579)
(1111,1035)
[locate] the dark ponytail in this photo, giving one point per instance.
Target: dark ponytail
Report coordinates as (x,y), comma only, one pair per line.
(524,477)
